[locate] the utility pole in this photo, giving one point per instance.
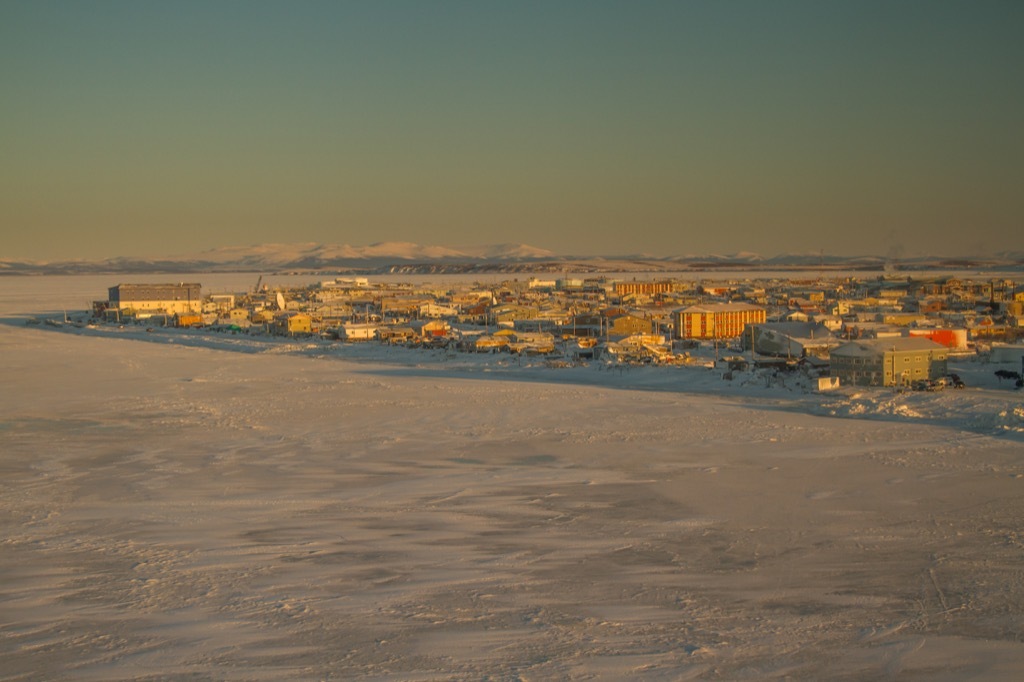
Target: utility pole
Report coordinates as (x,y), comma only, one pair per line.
(714,335)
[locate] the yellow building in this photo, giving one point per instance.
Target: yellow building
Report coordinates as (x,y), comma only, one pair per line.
(645,288)
(716,320)
(293,323)
(188,320)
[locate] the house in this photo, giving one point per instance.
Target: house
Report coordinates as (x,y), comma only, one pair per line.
(237,315)
(716,320)
(430,329)
(580,348)
(143,300)
(626,325)
(486,343)
(584,324)
(431,309)
(531,342)
(509,313)
(901,319)
(635,349)
(538,324)
(794,315)
(293,322)
(831,322)
(645,339)
(357,331)
(402,305)
(396,333)
(219,303)
(888,362)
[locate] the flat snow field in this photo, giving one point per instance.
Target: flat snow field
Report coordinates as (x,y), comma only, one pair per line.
(189,507)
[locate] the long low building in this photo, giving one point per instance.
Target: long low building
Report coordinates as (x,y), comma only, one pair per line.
(888,362)
(149,299)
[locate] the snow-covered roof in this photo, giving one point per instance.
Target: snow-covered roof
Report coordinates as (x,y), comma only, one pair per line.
(875,347)
(805,330)
(719,308)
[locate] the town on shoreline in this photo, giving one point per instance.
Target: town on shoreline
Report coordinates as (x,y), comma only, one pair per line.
(886,331)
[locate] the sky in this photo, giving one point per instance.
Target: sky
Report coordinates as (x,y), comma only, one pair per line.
(143,128)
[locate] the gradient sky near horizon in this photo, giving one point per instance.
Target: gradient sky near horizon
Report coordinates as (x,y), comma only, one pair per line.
(143,128)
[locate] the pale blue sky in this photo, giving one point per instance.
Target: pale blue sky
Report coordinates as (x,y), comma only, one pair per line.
(591,127)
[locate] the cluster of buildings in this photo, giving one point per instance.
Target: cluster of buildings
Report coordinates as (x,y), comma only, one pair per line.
(877,332)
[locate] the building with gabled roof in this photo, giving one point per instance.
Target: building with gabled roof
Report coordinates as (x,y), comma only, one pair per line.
(293,322)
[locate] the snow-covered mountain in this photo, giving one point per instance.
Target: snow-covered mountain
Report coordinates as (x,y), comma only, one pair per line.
(296,256)
(306,254)
(409,257)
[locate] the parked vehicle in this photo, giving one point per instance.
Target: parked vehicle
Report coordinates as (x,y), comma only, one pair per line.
(929,384)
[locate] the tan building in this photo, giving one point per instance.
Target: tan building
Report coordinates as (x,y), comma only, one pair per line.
(237,315)
(149,299)
(716,320)
(645,288)
(889,362)
(627,325)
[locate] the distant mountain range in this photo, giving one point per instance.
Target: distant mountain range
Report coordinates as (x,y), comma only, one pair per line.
(410,258)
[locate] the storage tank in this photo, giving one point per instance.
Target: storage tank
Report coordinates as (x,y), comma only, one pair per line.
(955,339)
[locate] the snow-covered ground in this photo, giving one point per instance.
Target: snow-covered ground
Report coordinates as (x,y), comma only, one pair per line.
(181,505)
